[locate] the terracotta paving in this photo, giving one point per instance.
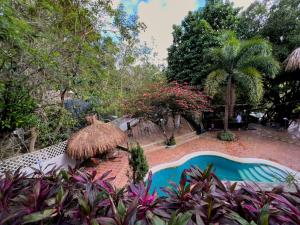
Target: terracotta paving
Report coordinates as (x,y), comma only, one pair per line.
(251,143)
(119,169)
(281,135)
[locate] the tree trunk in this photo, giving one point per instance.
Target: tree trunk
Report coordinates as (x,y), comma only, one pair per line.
(232,100)
(62,104)
(227,105)
(62,97)
(33,138)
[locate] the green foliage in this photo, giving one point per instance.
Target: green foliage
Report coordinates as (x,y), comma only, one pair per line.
(277,21)
(16,107)
(282,27)
(176,219)
(186,56)
(221,15)
(138,162)
(226,136)
(280,24)
(188,59)
(291,179)
(243,64)
(51,49)
(82,197)
(252,20)
(56,124)
(171,141)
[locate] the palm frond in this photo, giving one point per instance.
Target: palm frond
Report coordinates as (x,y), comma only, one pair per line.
(230,50)
(266,64)
(216,54)
(227,35)
(214,81)
(250,79)
(255,46)
(230,47)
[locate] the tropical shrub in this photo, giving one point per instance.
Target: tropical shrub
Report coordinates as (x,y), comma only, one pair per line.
(138,163)
(16,106)
(162,101)
(80,197)
(226,136)
(171,141)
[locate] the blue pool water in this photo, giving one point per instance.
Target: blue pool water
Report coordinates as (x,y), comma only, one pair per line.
(224,168)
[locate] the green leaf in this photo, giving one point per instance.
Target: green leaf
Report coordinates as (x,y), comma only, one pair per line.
(84,205)
(241,220)
(157,221)
(121,209)
(264,215)
(37,216)
(180,219)
(64,174)
(94,222)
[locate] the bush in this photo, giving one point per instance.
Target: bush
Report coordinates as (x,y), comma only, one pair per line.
(138,163)
(171,141)
(226,136)
(16,106)
(80,197)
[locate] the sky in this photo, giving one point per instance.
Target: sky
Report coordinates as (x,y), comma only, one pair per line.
(159,17)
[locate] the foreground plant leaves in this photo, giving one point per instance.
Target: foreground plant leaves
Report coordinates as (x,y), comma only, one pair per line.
(82,198)
(38,216)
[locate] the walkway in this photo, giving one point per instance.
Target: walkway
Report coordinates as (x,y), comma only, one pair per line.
(251,143)
(280,135)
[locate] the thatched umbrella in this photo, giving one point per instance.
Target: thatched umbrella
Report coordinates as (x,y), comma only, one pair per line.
(96,138)
(293,61)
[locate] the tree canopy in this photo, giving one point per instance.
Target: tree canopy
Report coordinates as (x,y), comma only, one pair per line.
(198,32)
(51,51)
(276,21)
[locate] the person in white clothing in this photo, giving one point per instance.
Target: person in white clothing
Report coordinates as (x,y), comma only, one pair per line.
(239,120)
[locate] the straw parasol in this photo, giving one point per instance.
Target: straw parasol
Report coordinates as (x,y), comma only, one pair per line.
(97,137)
(293,61)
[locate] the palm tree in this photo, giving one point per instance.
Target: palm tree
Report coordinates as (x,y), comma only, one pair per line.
(242,64)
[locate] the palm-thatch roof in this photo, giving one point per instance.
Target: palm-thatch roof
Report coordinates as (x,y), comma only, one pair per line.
(94,139)
(293,61)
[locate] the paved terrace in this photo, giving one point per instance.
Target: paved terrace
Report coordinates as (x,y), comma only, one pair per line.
(275,146)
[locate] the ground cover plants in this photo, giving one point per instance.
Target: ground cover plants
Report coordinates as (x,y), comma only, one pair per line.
(81,197)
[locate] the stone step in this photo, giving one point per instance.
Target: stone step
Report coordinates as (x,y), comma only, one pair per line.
(259,176)
(179,140)
(275,173)
(268,177)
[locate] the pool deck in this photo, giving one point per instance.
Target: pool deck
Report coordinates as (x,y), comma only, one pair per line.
(248,145)
(276,147)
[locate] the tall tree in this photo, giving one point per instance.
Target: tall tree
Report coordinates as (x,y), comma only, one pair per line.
(187,61)
(279,22)
(49,47)
(221,15)
(186,56)
(240,63)
(253,19)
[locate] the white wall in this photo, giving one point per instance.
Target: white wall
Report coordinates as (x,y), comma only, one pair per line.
(62,161)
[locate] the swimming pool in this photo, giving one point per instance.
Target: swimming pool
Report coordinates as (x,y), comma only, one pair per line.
(224,166)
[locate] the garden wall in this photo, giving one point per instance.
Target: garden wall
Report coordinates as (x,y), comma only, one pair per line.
(54,155)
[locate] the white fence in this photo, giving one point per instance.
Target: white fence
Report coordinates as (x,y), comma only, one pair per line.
(54,154)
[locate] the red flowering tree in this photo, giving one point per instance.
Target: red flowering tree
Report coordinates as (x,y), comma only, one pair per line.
(161,101)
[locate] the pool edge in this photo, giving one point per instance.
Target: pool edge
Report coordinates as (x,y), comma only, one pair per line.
(187,157)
